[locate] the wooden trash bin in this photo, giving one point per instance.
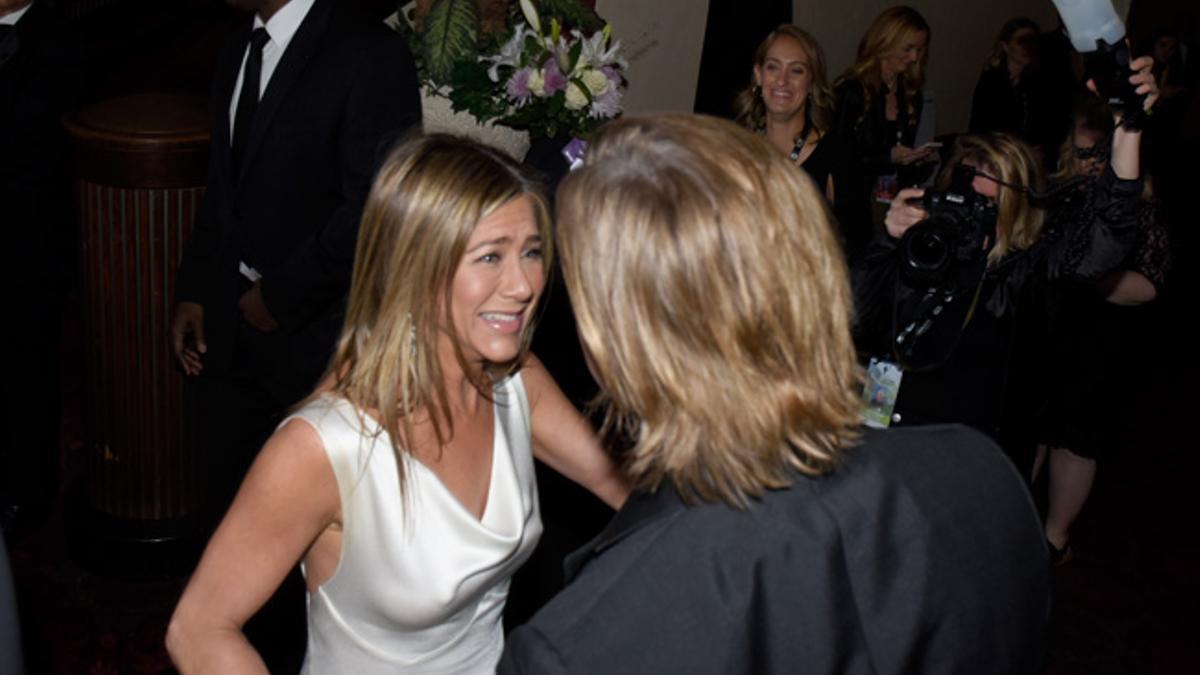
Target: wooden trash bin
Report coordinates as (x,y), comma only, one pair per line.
(141,163)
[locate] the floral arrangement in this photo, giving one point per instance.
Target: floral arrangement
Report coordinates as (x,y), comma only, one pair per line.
(557,82)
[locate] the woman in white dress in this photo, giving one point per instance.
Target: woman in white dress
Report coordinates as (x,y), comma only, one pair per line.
(405,484)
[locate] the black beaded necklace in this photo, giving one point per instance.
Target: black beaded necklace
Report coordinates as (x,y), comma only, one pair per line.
(801,139)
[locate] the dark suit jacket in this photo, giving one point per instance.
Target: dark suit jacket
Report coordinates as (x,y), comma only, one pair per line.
(38,85)
(922,554)
(344,90)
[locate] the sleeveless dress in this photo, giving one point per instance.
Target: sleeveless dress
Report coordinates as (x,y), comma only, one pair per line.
(421,583)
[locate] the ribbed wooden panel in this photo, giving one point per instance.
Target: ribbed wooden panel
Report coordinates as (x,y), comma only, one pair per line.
(140,454)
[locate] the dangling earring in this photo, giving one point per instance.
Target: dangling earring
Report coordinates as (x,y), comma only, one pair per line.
(757,91)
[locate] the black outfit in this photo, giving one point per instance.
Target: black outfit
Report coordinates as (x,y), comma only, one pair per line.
(986,373)
(41,75)
(872,136)
(343,90)
(1094,345)
(834,158)
(1023,109)
(921,553)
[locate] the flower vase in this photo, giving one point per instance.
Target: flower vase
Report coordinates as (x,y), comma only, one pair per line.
(545,156)
(439,117)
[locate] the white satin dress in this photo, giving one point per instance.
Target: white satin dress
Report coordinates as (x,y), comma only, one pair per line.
(421,583)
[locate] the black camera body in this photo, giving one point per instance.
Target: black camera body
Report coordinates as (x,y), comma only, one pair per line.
(961,228)
(1108,68)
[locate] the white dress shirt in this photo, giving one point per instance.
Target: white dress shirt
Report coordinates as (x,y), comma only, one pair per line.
(281,28)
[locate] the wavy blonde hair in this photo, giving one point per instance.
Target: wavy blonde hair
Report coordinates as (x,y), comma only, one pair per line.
(749,110)
(887,34)
(424,203)
(712,300)
(1004,156)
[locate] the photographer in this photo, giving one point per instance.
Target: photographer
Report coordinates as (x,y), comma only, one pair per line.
(948,305)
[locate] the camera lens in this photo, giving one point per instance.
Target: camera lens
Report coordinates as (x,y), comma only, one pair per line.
(926,251)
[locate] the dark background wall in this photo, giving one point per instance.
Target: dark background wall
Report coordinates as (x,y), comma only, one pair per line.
(137,46)
(735,27)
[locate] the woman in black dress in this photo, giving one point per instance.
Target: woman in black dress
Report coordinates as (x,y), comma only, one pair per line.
(879,99)
(790,101)
(1011,95)
(1092,338)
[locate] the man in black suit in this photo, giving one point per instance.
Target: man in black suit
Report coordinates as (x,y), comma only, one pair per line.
(262,284)
(263,280)
(40,77)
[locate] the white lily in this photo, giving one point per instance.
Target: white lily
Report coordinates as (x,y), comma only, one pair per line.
(531,16)
(510,53)
(594,55)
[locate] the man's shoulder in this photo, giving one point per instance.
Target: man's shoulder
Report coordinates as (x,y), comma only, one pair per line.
(351,26)
(901,454)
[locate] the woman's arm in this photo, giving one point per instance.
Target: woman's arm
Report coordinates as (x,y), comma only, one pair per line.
(1128,288)
(288,498)
(565,441)
(1090,248)
(1126,143)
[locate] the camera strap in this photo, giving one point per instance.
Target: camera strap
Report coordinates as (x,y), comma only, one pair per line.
(933,310)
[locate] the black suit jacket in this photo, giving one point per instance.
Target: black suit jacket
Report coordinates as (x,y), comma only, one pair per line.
(344,90)
(39,83)
(922,554)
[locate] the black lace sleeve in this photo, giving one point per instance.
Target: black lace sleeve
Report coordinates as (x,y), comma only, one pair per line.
(1151,255)
(1094,232)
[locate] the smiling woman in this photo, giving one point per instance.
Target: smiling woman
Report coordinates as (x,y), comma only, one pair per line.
(405,484)
(500,278)
(789,101)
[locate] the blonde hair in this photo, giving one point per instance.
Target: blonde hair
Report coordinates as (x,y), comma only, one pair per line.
(1091,114)
(748,107)
(712,300)
(424,203)
(887,34)
(1006,157)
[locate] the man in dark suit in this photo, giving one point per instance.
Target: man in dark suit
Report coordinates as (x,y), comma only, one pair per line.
(263,280)
(40,78)
(306,99)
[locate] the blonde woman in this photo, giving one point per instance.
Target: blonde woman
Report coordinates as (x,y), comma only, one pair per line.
(964,339)
(789,101)
(879,97)
(405,484)
(767,533)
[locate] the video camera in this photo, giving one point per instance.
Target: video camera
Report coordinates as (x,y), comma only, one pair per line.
(960,228)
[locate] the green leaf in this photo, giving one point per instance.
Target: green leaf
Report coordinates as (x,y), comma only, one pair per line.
(451,30)
(583,87)
(574,13)
(573,57)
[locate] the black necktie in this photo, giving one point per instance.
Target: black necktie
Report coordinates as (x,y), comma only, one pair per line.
(8,42)
(248,99)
